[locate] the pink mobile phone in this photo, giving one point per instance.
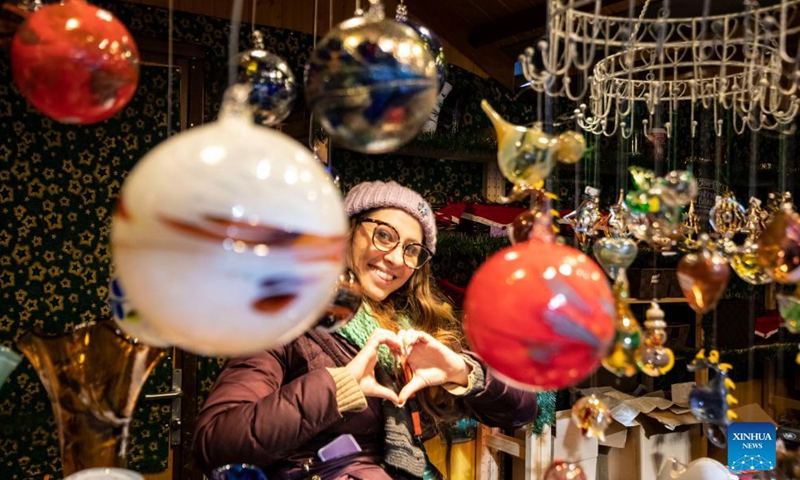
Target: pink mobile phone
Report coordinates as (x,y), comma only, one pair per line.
(340,446)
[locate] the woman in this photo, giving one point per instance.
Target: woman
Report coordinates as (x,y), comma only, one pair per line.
(387,377)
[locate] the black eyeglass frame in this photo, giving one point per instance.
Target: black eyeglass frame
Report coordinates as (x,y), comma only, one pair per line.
(399,239)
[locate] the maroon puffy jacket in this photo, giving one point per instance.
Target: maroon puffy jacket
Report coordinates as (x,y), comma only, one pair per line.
(275,409)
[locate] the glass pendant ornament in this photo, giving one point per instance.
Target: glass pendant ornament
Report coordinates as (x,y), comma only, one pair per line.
(622,359)
(540,314)
(238,471)
(728,217)
(654,358)
(744,261)
(127,317)
(429,39)
(690,227)
(615,254)
(242,254)
(371,83)
(789,308)
(561,470)
(756,219)
(526,156)
(9,359)
(682,185)
(779,246)
(93,377)
(105,474)
(591,416)
(346,302)
(585,217)
(74,62)
(615,222)
(272,85)
(536,222)
(712,403)
(703,277)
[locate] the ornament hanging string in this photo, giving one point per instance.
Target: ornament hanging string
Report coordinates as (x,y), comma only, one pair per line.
(233,39)
(311,142)
(170,14)
(253,16)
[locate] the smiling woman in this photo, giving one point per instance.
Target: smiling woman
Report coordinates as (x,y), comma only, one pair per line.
(359,403)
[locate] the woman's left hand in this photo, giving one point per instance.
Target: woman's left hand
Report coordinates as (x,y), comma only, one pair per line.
(431,362)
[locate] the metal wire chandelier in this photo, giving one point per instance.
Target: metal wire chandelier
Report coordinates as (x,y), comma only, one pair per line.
(738,62)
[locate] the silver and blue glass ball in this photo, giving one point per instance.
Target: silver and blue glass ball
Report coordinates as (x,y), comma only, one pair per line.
(272,83)
(371,84)
(430,40)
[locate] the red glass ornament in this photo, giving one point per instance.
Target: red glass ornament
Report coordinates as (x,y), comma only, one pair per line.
(74,62)
(540,314)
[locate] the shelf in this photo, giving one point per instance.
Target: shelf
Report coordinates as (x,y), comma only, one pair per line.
(659,300)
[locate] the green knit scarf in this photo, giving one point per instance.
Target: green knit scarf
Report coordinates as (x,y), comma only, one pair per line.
(358,330)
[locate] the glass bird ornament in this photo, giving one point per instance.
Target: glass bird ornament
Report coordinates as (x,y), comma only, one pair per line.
(654,358)
(703,277)
(526,156)
(789,308)
(585,217)
(622,358)
(242,254)
(657,203)
(273,88)
(346,302)
(779,246)
(74,62)
(712,403)
(561,470)
(591,416)
(371,83)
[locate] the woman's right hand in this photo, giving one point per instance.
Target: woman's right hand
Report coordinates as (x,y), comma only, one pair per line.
(362,366)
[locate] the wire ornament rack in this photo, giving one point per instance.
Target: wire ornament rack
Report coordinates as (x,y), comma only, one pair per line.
(738,61)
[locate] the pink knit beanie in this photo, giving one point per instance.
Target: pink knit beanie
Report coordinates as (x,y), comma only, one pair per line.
(371,195)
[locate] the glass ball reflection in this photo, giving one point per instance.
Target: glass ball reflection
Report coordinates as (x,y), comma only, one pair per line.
(272,84)
(74,62)
(371,84)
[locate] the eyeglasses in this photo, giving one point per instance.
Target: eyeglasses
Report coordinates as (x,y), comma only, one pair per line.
(385,238)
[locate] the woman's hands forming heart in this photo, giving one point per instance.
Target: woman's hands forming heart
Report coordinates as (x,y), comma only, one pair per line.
(431,362)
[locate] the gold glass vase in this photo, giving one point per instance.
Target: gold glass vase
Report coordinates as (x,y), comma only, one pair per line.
(93,376)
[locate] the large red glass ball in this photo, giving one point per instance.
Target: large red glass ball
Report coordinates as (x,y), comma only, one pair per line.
(74,62)
(540,314)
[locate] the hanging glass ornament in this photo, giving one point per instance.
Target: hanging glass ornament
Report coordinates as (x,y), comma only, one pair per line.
(585,217)
(615,223)
(744,261)
(371,83)
(74,62)
(105,474)
(779,246)
(429,39)
(756,220)
(728,217)
(536,222)
(622,358)
(9,359)
(789,308)
(255,235)
(561,470)
(272,85)
(775,202)
(540,314)
(571,147)
(690,227)
(712,403)
(128,319)
(656,205)
(346,302)
(238,471)
(526,156)
(591,416)
(703,277)
(614,254)
(654,358)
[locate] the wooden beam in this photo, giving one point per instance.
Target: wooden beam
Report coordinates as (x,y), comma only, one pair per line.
(533,18)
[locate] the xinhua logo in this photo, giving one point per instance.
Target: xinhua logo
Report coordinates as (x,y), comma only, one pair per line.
(751,446)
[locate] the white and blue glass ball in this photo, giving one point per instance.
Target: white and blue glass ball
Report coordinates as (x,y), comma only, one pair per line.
(273,88)
(371,84)
(431,42)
